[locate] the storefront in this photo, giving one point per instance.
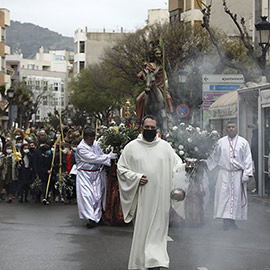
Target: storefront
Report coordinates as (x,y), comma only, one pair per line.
(253,116)
(250,106)
(223,110)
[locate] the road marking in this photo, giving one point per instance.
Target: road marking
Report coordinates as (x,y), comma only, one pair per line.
(202,268)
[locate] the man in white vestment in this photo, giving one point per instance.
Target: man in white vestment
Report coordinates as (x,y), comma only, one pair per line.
(145,171)
(233,157)
(91,178)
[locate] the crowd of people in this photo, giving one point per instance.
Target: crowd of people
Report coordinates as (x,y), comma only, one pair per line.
(144,175)
(27,159)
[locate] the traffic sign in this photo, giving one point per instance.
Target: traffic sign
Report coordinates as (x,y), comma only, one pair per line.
(223,78)
(206,105)
(211,96)
(224,87)
(182,110)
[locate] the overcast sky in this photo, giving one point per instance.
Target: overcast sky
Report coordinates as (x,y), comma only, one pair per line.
(65,16)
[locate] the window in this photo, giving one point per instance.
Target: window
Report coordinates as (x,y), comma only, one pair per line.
(188,4)
(3,34)
(2,63)
(44,85)
(82,46)
(175,15)
(30,66)
(37,116)
(62,101)
(59,58)
(55,86)
(51,101)
(45,100)
(37,83)
(55,101)
(46,68)
(81,65)
(62,87)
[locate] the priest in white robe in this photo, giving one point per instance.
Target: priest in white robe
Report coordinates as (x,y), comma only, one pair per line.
(233,157)
(145,171)
(91,178)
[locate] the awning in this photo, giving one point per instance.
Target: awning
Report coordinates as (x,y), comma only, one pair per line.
(225,107)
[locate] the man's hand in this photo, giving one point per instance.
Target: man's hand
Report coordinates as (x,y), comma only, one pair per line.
(112,155)
(143,180)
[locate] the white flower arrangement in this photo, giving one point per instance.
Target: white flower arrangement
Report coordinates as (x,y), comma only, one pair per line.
(181,152)
(192,143)
(116,138)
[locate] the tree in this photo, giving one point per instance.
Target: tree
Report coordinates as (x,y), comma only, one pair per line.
(27,101)
(4,103)
(97,90)
(247,63)
(185,47)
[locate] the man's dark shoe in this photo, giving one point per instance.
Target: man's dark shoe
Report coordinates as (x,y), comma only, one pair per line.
(103,222)
(91,224)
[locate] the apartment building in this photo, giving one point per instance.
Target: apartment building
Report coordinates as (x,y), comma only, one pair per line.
(47,74)
(189,12)
(90,46)
(157,16)
(4,49)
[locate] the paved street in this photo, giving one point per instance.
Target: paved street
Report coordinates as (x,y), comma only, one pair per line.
(38,237)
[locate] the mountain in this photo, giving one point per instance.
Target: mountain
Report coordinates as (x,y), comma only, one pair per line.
(27,38)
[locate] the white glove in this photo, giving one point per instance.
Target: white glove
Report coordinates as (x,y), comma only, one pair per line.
(112,155)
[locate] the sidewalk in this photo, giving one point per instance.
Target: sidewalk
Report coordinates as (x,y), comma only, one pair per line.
(261,200)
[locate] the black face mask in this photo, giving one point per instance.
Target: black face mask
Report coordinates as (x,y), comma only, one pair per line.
(149,134)
(31,149)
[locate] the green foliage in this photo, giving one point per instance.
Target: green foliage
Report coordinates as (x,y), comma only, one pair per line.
(36,186)
(97,91)
(191,142)
(53,121)
(102,87)
(67,183)
(116,138)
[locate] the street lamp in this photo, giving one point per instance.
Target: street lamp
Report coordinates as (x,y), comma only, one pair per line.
(264,34)
(10,93)
(182,75)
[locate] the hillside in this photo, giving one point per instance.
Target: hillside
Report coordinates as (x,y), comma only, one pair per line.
(28,38)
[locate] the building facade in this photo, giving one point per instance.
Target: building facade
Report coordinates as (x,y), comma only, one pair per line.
(90,46)
(4,49)
(189,12)
(157,16)
(47,75)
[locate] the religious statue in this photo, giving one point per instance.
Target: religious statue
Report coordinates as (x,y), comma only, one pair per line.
(151,101)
